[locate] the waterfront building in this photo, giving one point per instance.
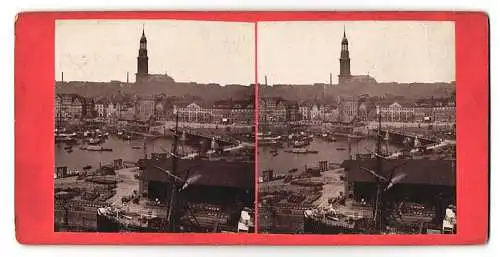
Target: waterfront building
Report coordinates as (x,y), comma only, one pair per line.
(262,111)
(242,112)
(304,110)
(111,109)
(279,112)
(348,108)
(88,106)
(69,106)
(272,110)
(363,112)
(145,108)
(100,107)
(396,112)
(444,113)
(195,112)
(435,112)
(315,112)
(292,111)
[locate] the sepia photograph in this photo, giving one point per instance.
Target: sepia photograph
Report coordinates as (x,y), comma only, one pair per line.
(356,127)
(154,126)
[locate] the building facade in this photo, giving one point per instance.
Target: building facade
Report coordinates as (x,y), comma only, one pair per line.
(396,112)
(348,108)
(145,108)
(69,107)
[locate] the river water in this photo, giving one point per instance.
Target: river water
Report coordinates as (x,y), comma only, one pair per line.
(327,151)
(281,164)
(122,149)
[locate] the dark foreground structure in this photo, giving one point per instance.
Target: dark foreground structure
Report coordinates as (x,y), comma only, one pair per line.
(212,198)
(418,199)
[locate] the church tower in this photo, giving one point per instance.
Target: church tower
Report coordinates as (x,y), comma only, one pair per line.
(142,59)
(345,61)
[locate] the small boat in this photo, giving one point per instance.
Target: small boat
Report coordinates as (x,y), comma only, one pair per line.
(274,153)
(96,148)
(328,138)
(302,151)
(94,141)
(299,144)
(341,149)
(331,138)
(293,170)
(136,147)
(268,142)
(69,150)
(65,139)
(88,167)
(332,217)
(352,136)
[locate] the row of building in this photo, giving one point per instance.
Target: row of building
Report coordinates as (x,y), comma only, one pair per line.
(226,111)
(349,109)
(75,107)
(270,110)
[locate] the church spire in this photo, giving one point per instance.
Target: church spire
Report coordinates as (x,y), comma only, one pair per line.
(142,59)
(143,37)
(345,61)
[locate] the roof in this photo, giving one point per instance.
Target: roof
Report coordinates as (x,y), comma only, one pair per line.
(212,173)
(421,171)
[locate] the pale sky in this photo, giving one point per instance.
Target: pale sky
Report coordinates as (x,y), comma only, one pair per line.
(391,51)
(197,51)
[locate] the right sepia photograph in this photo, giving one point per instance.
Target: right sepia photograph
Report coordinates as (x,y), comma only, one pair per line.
(356,127)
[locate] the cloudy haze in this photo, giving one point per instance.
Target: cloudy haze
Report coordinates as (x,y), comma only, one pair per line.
(394,51)
(198,51)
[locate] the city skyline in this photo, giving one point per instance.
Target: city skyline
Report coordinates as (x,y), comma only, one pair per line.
(396,51)
(188,51)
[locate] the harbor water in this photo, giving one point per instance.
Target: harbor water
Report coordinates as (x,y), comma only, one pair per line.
(333,152)
(127,150)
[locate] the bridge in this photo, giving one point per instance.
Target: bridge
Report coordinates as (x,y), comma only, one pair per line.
(197,137)
(143,134)
(434,146)
(227,149)
(399,137)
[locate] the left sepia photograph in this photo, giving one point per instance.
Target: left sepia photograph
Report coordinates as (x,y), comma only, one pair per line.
(154,126)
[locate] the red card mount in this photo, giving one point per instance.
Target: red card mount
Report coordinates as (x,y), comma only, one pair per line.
(35,149)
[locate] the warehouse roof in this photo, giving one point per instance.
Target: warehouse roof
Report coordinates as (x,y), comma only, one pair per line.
(421,171)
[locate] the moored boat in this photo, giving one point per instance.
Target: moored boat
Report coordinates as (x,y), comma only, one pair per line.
(300,144)
(301,151)
(96,148)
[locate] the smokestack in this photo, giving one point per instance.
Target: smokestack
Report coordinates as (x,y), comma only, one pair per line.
(265,80)
(127,77)
(330,79)
(62,77)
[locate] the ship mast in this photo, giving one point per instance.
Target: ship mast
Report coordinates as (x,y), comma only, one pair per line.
(173,184)
(377,211)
